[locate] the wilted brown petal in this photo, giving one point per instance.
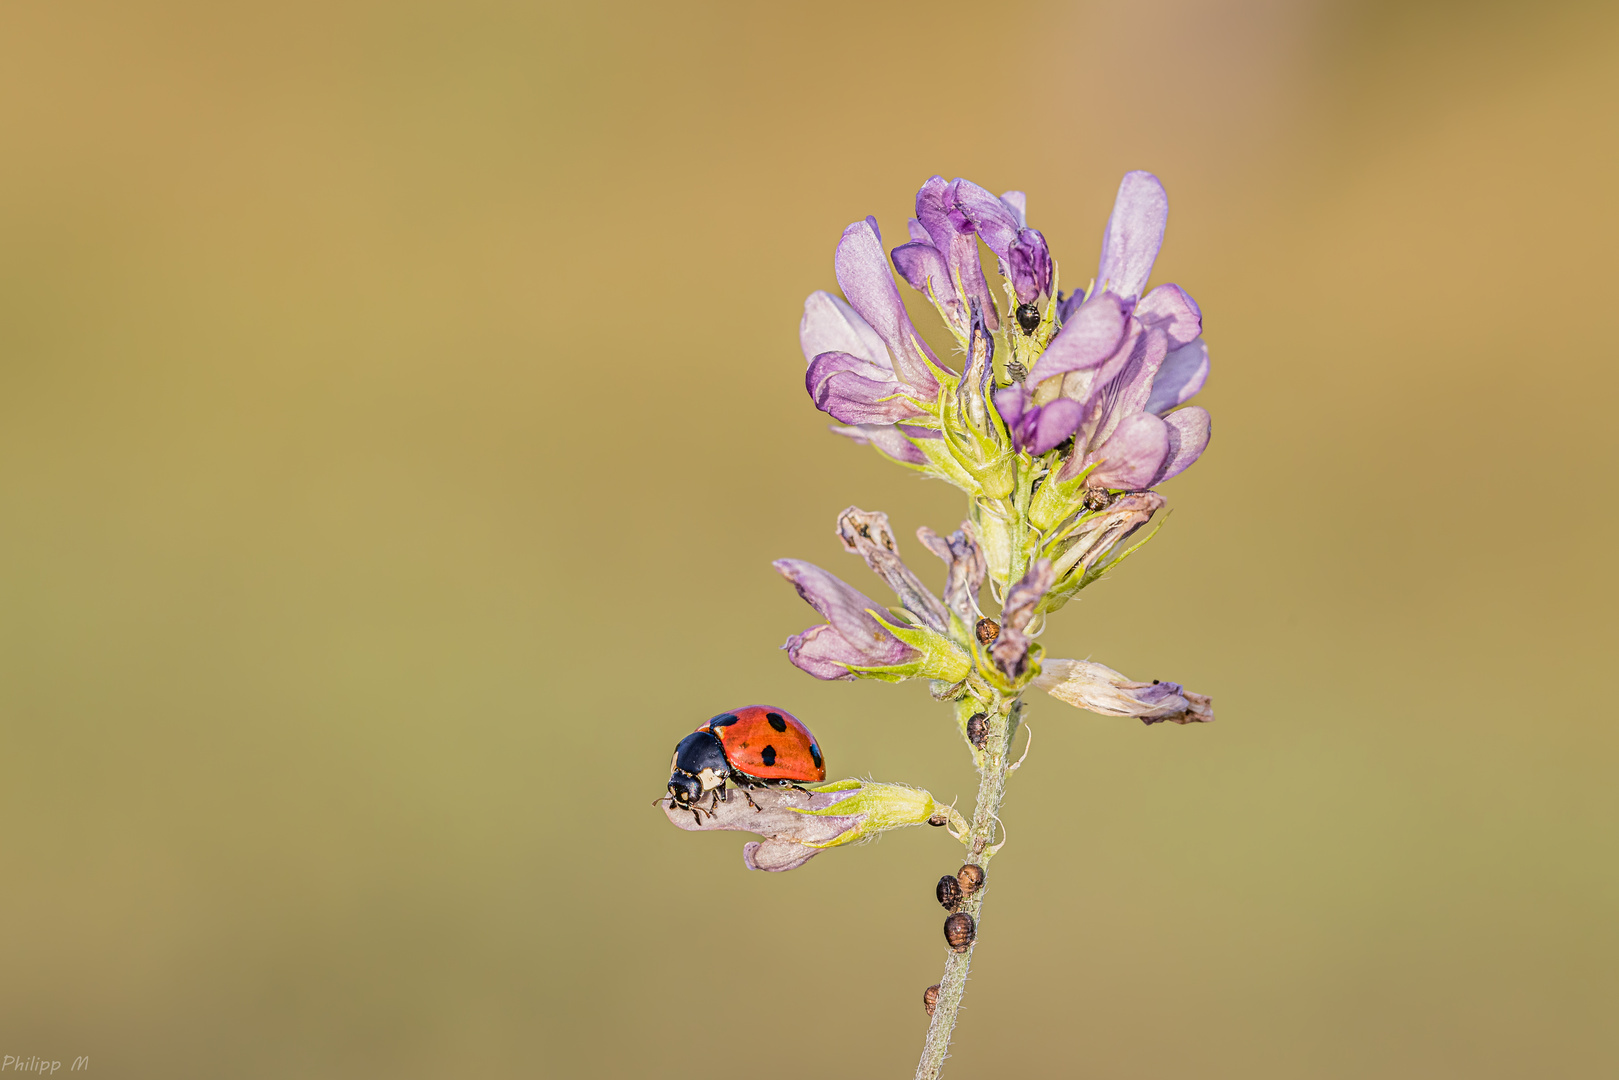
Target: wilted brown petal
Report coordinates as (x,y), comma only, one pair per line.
(867,534)
(1101,532)
(967,568)
(1011,648)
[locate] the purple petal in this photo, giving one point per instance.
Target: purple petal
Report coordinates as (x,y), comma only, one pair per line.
(886,438)
(1170,308)
(1010,402)
(1131,458)
(919,263)
(1028,265)
(1090,337)
(822,653)
(1135,232)
(864,277)
(856,392)
(830,325)
(1130,390)
(1018,204)
(1058,420)
(956,240)
(989,216)
(917,232)
(846,609)
(1180,376)
(1067,305)
(1188,431)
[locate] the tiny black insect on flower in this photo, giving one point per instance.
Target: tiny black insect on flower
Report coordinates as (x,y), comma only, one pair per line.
(1028,317)
(949,892)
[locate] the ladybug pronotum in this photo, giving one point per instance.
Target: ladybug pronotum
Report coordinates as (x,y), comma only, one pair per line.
(959,931)
(755,746)
(978,730)
(949,892)
(971,879)
(930,998)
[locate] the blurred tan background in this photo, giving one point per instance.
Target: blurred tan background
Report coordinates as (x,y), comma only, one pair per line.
(400,406)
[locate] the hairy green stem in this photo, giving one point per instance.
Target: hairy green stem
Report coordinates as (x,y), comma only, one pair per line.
(980,842)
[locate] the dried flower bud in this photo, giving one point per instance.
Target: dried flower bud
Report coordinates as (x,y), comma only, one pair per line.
(930,998)
(988,630)
(949,892)
(978,730)
(959,931)
(1102,690)
(971,878)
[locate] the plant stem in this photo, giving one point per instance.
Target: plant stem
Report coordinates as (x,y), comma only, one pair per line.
(980,838)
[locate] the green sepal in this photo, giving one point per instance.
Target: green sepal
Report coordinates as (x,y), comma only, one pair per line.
(1057,499)
(880,807)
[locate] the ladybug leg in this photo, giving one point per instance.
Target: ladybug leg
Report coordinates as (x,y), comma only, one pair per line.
(749,797)
(805,790)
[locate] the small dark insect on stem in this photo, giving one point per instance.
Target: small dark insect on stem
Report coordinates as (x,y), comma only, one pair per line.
(980,839)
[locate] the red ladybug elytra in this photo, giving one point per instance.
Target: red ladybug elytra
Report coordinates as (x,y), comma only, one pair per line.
(754,746)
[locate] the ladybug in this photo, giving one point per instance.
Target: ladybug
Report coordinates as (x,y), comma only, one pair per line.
(754,746)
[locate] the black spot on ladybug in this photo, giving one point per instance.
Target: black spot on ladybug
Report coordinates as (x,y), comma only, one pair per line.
(1028,317)
(815,755)
(724,719)
(776,721)
(768,755)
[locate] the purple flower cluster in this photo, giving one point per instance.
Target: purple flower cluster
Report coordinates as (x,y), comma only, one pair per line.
(1111,379)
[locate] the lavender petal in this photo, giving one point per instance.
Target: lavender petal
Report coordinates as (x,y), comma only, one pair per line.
(1172,309)
(863,275)
(1135,232)
(1179,377)
(854,392)
(1093,334)
(823,653)
(846,609)
(1131,457)
(887,438)
(830,325)
(1188,430)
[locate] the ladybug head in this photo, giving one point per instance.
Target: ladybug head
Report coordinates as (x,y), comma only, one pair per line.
(684,788)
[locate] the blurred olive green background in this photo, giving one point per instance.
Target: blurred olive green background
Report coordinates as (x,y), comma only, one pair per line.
(400,405)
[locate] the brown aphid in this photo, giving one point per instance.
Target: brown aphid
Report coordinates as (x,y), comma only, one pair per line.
(938,821)
(930,998)
(988,631)
(949,892)
(971,879)
(978,729)
(959,931)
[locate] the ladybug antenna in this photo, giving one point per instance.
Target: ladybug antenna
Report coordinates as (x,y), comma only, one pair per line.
(1028,742)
